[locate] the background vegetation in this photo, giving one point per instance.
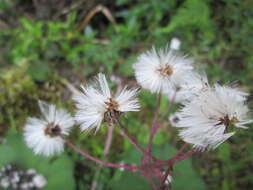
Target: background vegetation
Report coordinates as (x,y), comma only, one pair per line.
(49,47)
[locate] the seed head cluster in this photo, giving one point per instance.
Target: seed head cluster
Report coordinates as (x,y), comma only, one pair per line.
(208,114)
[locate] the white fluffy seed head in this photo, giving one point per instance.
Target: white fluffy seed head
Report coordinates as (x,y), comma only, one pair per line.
(44,136)
(212,117)
(162,70)
(190,88)
(95,103)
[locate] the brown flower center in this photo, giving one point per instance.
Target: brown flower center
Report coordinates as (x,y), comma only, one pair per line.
(112,105)
(112,110)
(166,71)
(53,130)
(227,121)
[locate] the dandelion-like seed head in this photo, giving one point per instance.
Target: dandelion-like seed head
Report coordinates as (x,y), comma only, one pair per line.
(190,88)
(95,104)
(213,116)
(162,70)
(45,136)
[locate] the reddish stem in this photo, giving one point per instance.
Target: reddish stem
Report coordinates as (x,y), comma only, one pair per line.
(106,150)
(154,126)
(157,109)
(102,162)
(181,157)
(182,149)
(166,112)
(134,142)
(177,158)
(164,178)
(169,169)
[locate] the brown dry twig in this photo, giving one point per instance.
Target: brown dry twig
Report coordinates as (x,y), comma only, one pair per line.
(69,86)
(93,12)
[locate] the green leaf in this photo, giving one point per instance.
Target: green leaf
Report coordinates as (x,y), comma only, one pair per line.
(128,181)
(185,177)
(224,152)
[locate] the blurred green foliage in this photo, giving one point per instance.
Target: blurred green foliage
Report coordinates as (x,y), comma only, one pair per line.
(35,55)
(17,88)
(182,172)
(58,172)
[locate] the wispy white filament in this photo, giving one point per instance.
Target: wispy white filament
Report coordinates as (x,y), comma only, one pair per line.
(92,103)
(35,134)
(150,70)
(208,119)
(190,88)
